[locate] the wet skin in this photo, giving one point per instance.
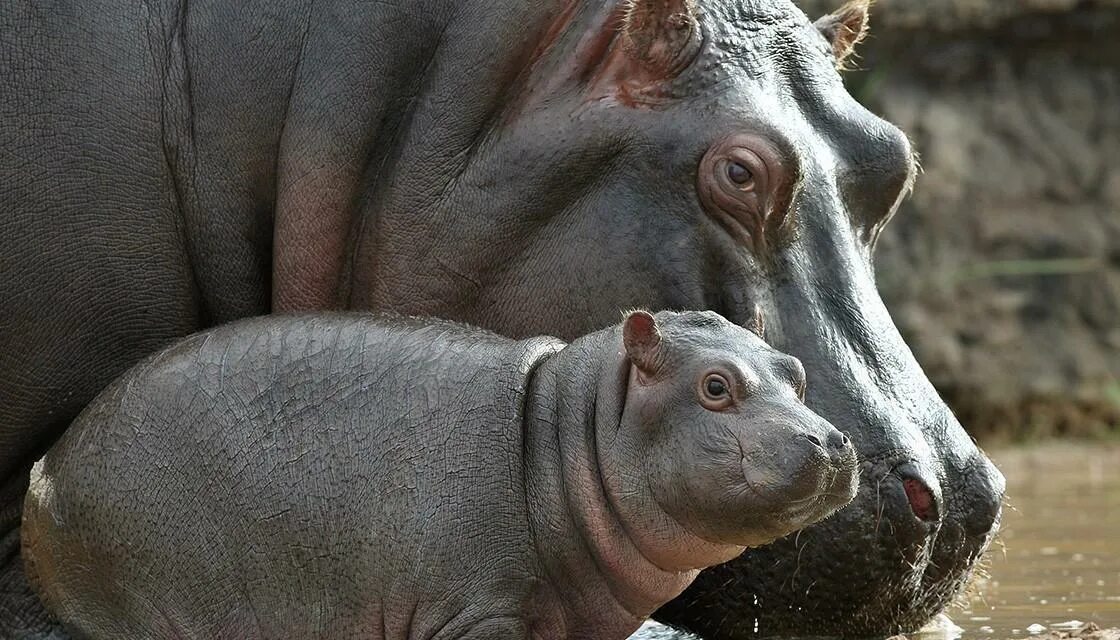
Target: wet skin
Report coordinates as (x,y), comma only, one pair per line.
(352,476)
(198,163)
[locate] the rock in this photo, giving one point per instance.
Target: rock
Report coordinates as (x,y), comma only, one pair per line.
(656,631)
(1086,631)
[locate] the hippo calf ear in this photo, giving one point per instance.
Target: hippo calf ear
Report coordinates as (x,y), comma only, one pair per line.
(642,340)
(845,28)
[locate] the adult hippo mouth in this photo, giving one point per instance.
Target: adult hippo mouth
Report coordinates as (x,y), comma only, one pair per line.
(532,170)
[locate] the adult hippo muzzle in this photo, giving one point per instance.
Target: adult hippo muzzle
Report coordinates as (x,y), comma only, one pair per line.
(530,167)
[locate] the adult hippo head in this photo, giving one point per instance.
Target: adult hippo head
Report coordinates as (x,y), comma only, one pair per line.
(531,166)
(693,155)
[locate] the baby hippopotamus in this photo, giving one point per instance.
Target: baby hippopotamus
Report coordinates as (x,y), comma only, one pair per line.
(358,476)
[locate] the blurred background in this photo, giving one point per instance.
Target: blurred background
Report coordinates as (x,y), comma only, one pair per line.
(1003,273)
(1003,269)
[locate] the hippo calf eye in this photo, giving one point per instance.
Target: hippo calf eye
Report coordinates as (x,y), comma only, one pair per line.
(715,392)
(716,388)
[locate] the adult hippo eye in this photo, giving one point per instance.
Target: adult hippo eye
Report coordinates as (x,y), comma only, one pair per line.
(715,392)
(746,171)
(746,184)
(740,175)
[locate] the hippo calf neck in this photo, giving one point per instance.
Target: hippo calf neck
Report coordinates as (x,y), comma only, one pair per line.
(348,476)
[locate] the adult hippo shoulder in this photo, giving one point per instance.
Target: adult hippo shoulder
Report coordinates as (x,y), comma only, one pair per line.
(531,167)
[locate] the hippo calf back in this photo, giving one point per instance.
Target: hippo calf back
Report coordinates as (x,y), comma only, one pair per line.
(347,476)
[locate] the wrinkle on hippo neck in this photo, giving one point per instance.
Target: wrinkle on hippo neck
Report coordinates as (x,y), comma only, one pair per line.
(605,579)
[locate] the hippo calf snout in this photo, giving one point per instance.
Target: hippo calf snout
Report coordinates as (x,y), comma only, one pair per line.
(836,445)
(810,460)
(801,464)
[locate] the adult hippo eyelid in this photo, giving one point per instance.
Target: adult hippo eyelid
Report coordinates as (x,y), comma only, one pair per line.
(759,217)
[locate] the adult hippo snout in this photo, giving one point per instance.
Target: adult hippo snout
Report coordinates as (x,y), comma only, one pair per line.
(984,493)
(929,500)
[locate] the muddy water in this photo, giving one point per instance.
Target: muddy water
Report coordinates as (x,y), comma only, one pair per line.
(1060,556)
(1057,561)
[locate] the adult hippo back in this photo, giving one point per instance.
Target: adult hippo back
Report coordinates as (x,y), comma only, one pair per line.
(528,166)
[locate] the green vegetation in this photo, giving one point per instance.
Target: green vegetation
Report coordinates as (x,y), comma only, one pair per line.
(1053,266)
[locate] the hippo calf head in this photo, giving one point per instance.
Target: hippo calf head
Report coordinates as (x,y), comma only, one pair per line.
(691,154)
(714,433)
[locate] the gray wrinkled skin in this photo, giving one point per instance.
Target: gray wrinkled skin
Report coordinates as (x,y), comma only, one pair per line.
(349,476)
(169,166)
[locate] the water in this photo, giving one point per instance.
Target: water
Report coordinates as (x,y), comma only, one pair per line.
(1060,555)
(1056,563)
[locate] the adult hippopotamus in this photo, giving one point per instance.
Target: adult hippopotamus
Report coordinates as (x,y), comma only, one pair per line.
(529,166)
(354,476)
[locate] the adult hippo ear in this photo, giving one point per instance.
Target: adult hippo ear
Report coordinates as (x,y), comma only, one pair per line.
(757,324)
(845,28)
(661,35)
(656,41)
(642,340)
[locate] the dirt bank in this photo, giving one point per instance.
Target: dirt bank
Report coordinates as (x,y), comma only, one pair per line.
(1003,269)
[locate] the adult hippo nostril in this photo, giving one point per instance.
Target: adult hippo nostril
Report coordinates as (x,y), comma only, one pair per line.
(921,499)
(972,509)
(919,495)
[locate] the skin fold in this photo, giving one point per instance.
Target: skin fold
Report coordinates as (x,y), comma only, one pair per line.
(528,167)
(350,476)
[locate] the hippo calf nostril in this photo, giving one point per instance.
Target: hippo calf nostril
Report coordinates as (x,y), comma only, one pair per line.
(837,440)
(839,447)
(834,444)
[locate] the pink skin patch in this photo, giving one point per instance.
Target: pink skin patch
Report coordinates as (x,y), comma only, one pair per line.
(921,500)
